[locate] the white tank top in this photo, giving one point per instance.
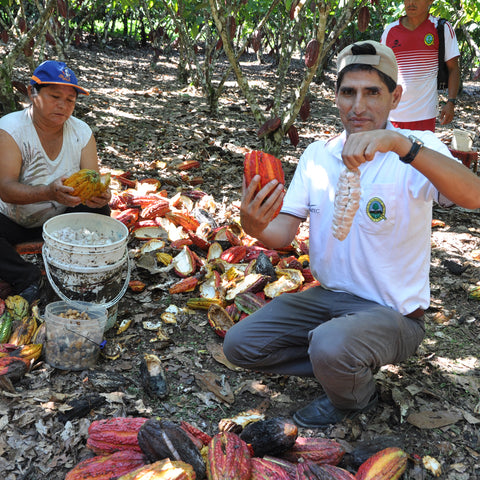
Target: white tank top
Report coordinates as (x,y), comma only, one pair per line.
(37,168)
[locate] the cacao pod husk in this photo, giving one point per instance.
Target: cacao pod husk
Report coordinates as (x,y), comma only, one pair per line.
(152,375)
(6,322)
(318,450)
(265,470)
(107,467)
(13,368)
(249,302)
(161,439)
(162,470)
(387,464)
(114,434)
(363,18)
(312,52)
(272,436)
(228,457)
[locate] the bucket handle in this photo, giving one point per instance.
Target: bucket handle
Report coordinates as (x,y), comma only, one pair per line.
(66,299)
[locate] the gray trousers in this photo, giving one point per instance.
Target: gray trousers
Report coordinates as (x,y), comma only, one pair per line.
(339,338)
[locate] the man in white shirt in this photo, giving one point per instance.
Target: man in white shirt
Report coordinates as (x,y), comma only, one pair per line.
(368,311)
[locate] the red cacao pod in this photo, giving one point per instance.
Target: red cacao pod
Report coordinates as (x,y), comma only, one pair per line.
(114,434)
(265,165)
(311,53)
(107,467)
(387,464)
(228,457)
(363,18)
(256,40)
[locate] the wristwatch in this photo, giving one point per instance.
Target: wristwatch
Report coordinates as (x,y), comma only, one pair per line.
(417,144)
(452,100)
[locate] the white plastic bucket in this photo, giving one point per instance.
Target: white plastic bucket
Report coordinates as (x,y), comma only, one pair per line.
(73,343)
(96,272)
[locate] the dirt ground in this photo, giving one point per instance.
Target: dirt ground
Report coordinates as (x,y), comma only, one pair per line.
(145,123)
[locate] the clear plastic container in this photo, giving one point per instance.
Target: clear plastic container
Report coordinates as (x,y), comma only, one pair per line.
(74,333)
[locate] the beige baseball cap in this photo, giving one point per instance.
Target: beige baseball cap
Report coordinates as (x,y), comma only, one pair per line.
(378,56)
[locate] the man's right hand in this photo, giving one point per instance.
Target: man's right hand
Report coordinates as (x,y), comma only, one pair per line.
(257,211)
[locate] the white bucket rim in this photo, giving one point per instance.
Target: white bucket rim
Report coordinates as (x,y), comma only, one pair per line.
(105,218)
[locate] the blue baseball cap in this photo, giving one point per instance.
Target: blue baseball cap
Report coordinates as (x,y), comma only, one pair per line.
(52,72)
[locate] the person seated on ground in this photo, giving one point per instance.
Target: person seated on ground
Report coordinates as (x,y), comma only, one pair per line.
(40,147)
(368,311)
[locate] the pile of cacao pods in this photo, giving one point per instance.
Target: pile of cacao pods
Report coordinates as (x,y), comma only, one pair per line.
(22,334)
(224,270)
(137,448)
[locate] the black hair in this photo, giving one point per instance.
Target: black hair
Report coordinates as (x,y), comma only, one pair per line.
(355,67)
(36,87)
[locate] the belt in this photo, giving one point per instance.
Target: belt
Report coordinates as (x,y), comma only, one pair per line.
(418,313)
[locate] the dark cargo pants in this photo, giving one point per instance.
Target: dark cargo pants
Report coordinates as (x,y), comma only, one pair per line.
(339,338)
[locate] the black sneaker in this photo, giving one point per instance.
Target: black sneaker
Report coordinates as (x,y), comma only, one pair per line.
(322,412)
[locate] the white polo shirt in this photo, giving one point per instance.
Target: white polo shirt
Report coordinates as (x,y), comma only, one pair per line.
(386,255)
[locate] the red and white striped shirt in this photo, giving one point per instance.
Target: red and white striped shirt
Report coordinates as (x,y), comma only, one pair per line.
(417,57)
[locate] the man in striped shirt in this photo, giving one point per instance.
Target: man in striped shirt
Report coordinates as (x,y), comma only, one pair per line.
(414,40)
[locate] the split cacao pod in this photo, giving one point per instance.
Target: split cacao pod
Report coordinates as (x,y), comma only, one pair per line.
(311,53)
(152,375)
(228,457)
(272,436)
(318,450)
(87,183)
(363,18)
(114,434)
(267,166)
(23,332)
(107,467)
(162,470)
(387,464)
(161,439)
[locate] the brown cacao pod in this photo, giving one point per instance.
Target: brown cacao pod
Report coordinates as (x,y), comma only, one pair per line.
(387,464)
(4,36)
(265,165)
(107,467)
(114,434)
(311,53)
(363,18)
(256,40)
(272,436)
(162,470)
(292,133)
(152,376)
(269,126)
(231,26)
(265,470)
(318,450)
(305,110)
(87,183)
(228,457)
(161,439)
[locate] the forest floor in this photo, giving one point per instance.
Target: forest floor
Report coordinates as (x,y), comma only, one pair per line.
(146,123)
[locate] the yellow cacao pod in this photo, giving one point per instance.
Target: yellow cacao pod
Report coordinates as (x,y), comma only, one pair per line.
(87,183)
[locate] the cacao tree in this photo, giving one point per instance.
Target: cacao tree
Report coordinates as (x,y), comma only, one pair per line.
(325,21)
